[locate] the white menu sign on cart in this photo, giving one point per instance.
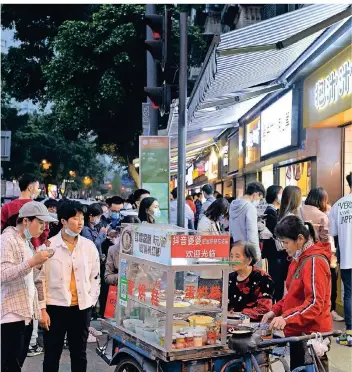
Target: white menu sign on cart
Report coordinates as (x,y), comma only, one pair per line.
(276,125)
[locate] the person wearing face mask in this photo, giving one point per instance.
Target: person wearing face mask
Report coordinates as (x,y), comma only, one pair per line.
(306,306)
(243,221)
(112,263)
(92,229)
(250,289)
(277,260)
(112,223)
(20,287)
(71,279)
(210,223)
(149,211)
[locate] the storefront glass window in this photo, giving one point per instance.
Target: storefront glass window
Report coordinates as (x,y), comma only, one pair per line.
(297,175)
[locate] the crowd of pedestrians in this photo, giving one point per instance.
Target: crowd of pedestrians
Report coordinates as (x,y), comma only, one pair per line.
(58,259)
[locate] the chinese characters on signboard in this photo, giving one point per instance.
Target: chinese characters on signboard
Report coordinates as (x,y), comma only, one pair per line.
(200,246)
(336,85)
(276,125)
(154,170)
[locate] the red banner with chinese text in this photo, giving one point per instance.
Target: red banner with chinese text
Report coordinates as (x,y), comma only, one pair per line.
(200,246)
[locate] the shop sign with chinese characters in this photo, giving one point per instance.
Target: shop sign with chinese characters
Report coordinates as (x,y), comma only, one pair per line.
(200,246)
(327,93)
(276,125)
(147,242)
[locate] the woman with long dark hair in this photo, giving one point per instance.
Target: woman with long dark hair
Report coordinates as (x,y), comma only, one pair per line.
(149,210)
(306,306)
(290,202)
(210,222)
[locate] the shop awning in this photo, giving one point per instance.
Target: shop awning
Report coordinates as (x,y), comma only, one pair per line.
(252,61)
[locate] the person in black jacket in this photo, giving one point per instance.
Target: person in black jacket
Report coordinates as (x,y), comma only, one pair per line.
(277,260)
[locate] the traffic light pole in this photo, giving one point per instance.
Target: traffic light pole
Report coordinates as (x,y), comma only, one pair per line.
(151,75)
(182,123)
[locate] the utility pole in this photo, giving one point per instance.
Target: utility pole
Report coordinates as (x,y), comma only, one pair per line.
(151,76)
(182,122)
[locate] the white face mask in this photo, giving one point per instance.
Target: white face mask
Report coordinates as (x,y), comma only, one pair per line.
(256,202)
(279,198)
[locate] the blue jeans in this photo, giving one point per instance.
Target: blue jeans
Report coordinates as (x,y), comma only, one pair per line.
(346,276)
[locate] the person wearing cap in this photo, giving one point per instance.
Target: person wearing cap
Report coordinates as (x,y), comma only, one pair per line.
(72,284)
(20,292)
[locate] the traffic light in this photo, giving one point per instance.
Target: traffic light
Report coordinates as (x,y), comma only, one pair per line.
(160,98)
(161,28)
(160,25)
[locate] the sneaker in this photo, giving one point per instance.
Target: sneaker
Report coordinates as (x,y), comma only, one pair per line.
(35,350)
(336,317)
(345,339)
(95,332)
(91,339)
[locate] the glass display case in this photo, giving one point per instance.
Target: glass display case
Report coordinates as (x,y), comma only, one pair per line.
(173,287)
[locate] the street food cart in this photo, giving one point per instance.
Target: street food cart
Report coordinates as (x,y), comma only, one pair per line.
(169,315)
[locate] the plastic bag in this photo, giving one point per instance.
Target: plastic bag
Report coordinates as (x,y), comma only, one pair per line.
(319,344)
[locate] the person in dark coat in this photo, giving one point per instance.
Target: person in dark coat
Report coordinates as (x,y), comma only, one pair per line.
(277,260)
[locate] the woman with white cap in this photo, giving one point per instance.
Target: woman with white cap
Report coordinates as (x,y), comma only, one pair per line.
(19,292)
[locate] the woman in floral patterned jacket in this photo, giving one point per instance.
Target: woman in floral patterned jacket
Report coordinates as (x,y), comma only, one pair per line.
(250,289)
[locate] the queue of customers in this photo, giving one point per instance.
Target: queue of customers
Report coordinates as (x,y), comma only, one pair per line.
(285,263)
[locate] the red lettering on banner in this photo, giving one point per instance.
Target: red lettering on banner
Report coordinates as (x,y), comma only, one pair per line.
(199,246)
(215,293)
(141,292)
(130,287)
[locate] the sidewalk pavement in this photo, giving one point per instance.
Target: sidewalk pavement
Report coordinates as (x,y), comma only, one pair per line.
(340,358)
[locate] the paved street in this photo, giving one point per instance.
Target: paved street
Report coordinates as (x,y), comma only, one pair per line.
(340,359)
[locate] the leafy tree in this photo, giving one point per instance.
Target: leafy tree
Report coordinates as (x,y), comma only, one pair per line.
(116,184)
(93,69)
(36,138)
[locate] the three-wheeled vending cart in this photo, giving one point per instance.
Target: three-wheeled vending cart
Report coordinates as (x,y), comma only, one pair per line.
(171,308)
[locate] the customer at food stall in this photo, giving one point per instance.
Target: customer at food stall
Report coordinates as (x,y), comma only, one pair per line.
(277,259)
(250,288)
(112,262)
(149,210)
(306,306)
(290,202)
(210,223)
(72,283)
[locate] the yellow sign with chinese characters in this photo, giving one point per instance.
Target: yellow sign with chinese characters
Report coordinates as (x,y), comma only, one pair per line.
(327,93)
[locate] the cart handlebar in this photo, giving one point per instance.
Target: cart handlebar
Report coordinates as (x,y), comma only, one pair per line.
(285,340)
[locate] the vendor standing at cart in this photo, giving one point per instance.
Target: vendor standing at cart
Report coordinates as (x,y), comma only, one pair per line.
(250,288)
(306,306)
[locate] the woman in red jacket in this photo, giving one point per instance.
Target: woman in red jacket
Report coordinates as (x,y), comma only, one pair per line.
(306,306)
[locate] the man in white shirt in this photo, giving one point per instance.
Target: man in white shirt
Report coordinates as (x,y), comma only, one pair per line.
(340,220)
(72,282)
(19,290)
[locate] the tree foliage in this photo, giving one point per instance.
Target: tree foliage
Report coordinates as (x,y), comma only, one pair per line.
(36,138)
(91,65)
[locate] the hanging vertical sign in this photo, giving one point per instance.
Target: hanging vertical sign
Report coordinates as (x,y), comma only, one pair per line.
(154,154)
